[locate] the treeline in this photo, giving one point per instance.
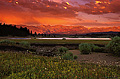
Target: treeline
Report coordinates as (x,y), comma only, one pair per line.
(104,34)
(9,30)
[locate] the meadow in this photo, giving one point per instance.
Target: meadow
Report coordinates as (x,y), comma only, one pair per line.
(24,65)
(44,41)
(16,65)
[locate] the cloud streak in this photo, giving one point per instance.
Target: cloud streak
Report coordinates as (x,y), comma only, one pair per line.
(55,12)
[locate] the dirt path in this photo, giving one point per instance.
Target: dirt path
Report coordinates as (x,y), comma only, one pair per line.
(97,58)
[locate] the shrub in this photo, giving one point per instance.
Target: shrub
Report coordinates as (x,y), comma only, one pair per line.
(67,56)
(71,54)
(7,42)
(98,49)
(75,57)
(95,48)
(85,48)
(25,44)
(63,49)
(92,46)
(63,38)
(114,46)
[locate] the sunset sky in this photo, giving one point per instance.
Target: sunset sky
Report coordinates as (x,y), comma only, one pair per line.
(88,13)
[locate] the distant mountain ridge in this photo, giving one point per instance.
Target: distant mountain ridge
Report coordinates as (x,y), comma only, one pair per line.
(60,29)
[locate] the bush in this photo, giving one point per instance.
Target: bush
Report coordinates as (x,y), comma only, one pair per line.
(75,57)
(95,48)
(92,46)
(71,54)
(67,56)
(63,49)
(7,42)
(63,38)
(24,44)
(98,49)
(85,48)
(114,46)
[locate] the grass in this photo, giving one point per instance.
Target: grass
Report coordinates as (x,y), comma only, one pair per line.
(18,65)
(102,42)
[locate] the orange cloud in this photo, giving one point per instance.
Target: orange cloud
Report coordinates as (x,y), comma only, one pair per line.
(99,6)
(99,24)
(51,12)
(102,6)
(55,21)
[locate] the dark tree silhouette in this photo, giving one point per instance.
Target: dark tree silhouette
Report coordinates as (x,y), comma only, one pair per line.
(39,34)
(6,30)
(31,32)
(35,33)
(118,33)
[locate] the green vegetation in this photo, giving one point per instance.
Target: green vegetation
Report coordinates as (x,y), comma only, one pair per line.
(92,47)
(95,48)
(18,65)
(42,41)
(67,56)
(85,48)
(98,49)
(75,57)
(63,49)
(24,43)
(114,46)
(13,43)
(34,37)
(63,38)
(7,42)
(70,53)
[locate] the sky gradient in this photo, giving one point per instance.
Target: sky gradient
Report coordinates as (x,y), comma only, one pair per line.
(90,13)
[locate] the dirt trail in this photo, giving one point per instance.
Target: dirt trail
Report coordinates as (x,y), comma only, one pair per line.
(97,58)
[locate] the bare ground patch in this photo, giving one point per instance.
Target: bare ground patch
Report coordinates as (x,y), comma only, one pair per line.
(97,58)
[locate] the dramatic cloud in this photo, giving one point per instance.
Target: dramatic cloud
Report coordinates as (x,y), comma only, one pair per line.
(101,7)
(99,24)
(67,12)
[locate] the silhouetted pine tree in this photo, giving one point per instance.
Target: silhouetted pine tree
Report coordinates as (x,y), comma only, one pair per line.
(6,30)
(35,33)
